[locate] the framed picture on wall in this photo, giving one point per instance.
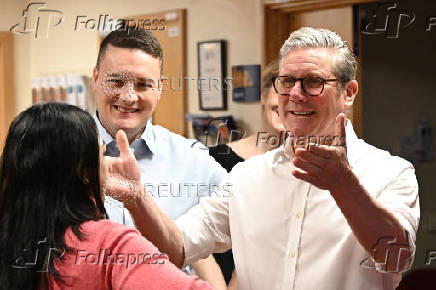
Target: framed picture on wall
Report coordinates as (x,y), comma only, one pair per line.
(246,83)
(212,60)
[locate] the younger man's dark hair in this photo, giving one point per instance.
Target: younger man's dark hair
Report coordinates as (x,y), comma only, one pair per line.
(136,38)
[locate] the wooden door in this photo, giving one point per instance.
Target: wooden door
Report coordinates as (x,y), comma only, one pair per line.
(339,20)
(7,97)
(171,109)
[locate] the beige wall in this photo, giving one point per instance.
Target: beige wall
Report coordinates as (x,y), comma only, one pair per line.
(68,51)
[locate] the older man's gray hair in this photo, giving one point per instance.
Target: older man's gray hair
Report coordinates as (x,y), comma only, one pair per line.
(345,64)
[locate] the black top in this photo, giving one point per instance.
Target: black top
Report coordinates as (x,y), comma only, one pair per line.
(225,156)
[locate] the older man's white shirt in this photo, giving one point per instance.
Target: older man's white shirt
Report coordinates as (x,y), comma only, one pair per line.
(288,234)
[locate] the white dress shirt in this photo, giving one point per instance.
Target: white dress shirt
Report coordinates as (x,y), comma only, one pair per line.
(289,234)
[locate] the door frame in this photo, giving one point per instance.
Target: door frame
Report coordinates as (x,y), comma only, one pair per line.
(7,96)
(173,17)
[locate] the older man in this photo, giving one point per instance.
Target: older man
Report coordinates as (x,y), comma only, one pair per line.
(127,82)
(337,214)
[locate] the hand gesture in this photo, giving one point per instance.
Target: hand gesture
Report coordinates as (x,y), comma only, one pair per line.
(325,166)
(124,176)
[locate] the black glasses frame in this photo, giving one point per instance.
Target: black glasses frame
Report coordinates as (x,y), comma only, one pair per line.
(323,81)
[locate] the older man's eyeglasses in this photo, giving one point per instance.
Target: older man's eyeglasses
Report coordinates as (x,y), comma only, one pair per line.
(313,86)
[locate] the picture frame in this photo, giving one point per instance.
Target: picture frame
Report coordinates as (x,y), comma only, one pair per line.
(246,83)
(212,69)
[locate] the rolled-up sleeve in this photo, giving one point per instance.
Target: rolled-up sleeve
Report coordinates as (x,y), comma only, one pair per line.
(205,227)
(401,198)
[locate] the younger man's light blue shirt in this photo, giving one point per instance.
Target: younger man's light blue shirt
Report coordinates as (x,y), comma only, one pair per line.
(175,171)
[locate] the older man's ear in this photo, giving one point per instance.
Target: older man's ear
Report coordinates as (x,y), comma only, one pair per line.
(352,87)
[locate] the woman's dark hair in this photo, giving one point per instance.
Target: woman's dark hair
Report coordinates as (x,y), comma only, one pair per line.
(49,181)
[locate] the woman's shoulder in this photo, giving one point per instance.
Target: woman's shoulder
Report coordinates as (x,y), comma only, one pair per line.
(94,228)
(107,247)
(101,233)
(102,225)
(108,230)
(109,237)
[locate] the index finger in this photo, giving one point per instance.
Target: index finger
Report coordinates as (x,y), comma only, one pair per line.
(123,143)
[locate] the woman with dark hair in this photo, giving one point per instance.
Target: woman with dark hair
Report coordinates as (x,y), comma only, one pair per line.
(53,231)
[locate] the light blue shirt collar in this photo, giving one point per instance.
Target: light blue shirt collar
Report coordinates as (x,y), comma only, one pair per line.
(147,137)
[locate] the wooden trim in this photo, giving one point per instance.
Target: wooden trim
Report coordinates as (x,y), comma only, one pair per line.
(184,68)
(7,97)
(303,5)
(358,101)
(276,31)
(179,21)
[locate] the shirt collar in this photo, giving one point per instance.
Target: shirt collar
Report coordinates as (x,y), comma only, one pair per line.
(352,143)
(286,151)
(147,136)
(104,135)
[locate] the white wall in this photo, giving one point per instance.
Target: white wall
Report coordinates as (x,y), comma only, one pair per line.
(66,50)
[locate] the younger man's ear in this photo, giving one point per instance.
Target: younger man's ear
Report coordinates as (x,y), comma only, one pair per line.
(94,78)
